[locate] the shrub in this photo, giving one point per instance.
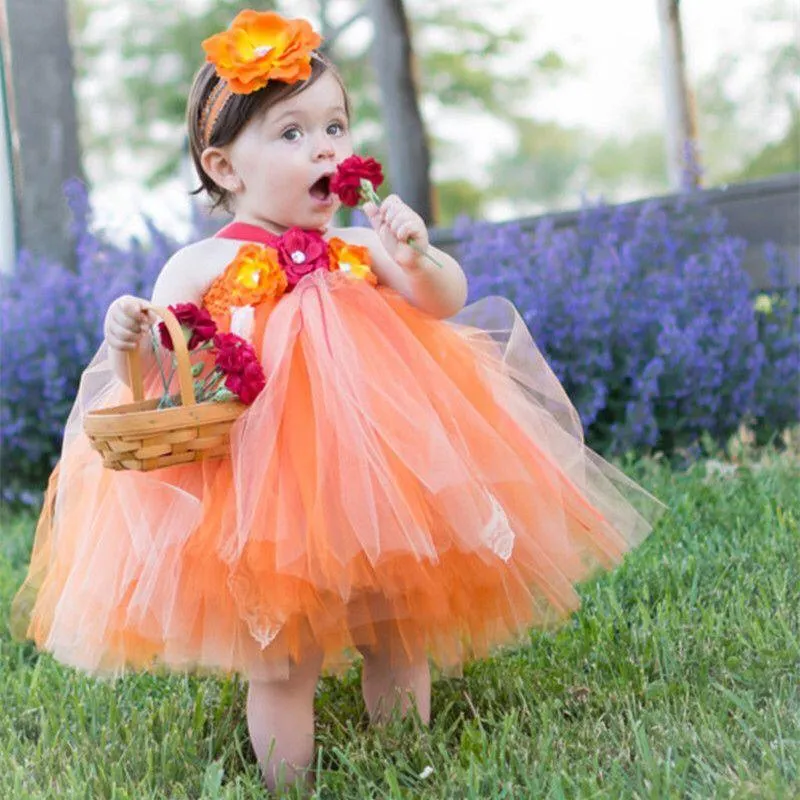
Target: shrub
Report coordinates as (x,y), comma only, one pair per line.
(52,320)
(778,386)
(646,316)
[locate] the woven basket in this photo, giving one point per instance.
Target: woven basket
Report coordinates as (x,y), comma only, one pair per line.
(139,436)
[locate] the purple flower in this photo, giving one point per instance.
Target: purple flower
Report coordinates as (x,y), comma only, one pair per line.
(646,315)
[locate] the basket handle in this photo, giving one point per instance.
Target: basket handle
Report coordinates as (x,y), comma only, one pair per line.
(181,356)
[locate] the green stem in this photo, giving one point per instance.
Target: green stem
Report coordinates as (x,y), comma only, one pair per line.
(173,367)
(165,396)
(212,381)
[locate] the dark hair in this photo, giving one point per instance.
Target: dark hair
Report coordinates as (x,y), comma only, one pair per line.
(238,110)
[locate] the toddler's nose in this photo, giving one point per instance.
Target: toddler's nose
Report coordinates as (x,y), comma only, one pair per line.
(323,149)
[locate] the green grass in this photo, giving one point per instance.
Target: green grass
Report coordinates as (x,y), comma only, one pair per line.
(679,678)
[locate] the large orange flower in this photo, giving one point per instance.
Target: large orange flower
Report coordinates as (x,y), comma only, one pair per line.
(352,259)
(260,47)
(253,276)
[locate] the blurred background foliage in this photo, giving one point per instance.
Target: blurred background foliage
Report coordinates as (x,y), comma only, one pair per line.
(473,62)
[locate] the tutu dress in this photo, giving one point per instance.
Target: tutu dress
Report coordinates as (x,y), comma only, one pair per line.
(395,468)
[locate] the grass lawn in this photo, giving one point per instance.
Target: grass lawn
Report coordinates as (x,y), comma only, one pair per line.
(679,678)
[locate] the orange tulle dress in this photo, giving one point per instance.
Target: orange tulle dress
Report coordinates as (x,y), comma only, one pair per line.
(397,473)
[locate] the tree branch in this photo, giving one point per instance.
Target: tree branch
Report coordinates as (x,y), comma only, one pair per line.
(359,14)
(330,33)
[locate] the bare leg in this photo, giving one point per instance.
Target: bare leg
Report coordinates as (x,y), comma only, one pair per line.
(280,719)
(391,683)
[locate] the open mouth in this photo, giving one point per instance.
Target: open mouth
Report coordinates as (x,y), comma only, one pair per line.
(321,189)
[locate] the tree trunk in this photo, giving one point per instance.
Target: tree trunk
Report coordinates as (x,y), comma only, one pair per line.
(8,227)
(44,130)
(683,158)
(409,157)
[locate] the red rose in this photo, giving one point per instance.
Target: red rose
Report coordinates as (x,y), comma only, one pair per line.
(247,383)
(301,252)
(198,327)
(347,180)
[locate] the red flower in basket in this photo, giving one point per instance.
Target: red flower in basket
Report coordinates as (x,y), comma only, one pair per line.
(347,182)
(301,252)
(235,371)
(198,327)
(247,383)
(237,361)
(233,352)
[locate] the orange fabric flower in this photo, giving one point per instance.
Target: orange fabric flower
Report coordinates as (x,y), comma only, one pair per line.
(217,301)
(260,47)
(253,276)
(352,259)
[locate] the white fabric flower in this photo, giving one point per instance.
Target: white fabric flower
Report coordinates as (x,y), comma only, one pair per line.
(243,321)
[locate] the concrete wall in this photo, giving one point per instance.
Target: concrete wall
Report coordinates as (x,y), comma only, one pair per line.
(759,212)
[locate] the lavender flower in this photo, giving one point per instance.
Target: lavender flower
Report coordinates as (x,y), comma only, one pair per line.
(51,320)
(646,315)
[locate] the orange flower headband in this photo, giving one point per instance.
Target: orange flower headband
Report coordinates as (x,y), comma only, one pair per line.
(257,48)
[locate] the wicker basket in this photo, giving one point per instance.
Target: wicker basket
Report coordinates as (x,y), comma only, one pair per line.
(139,436)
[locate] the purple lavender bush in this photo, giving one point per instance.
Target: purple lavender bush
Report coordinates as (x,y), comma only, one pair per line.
(646,315)
(52,321)
(778,386)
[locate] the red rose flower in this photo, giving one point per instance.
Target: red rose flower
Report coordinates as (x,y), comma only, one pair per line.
(301,252)
(196,322)
(347,180)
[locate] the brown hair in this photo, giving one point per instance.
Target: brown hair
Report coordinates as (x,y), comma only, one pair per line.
(238,110)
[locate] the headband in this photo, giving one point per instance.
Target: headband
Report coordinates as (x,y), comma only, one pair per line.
(257,48)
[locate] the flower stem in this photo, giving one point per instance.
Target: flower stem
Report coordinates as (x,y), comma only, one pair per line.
(210,383)
(173,367)
(164,401)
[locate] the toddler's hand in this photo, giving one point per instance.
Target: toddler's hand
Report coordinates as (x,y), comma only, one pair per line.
(126,320)
(396,225)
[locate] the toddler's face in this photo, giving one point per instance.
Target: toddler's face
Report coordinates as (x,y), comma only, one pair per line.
(285,156)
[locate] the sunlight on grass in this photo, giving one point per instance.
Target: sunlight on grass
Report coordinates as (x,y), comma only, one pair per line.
(679,677)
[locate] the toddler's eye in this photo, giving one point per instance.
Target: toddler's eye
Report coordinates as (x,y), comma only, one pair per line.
(336,129)
(291,134)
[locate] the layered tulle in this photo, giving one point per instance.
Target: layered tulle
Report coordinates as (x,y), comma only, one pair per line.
(397,473)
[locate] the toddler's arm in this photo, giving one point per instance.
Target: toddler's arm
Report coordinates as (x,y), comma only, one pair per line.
(127,320)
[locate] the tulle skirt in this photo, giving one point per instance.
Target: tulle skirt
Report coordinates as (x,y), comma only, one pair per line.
(398,473)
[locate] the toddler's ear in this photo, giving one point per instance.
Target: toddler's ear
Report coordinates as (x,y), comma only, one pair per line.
(218,167)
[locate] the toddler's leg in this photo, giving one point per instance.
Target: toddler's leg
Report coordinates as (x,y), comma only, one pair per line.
(280,719)
(390,681)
